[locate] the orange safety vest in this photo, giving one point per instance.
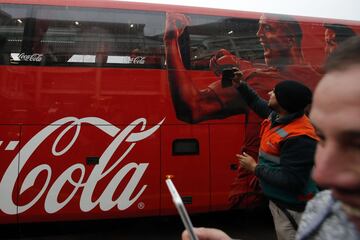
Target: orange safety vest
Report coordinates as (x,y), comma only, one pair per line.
(269,155)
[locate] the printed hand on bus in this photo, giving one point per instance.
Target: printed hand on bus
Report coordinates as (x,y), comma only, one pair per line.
(206,234)
(246,161)
(175,25)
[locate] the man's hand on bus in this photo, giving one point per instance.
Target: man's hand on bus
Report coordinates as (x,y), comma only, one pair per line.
(238,78)
(206,234)
(246,161)
(175,25)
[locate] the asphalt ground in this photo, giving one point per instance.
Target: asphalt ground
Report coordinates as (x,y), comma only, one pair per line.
(241,224)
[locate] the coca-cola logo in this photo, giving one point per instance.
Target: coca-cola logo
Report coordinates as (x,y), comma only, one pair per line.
(138,60)
(36,57)
(132,134)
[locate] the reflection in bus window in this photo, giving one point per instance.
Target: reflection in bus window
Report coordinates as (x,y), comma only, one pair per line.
(209,34)
(72,36)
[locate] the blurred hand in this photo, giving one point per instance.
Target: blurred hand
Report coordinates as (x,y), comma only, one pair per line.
(247,161)
(206,234)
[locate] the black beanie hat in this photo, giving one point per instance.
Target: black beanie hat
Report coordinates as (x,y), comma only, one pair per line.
(292,96)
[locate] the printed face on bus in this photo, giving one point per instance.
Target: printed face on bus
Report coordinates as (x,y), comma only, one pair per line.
(275,39)
(335,114)
(330,41)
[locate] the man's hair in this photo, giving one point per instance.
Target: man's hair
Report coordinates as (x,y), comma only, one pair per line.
(344,56)
(291,26)
(342,32)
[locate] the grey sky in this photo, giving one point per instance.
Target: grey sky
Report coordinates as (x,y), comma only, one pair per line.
(340,9)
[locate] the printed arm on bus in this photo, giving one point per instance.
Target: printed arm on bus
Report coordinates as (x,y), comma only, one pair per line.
(193,105)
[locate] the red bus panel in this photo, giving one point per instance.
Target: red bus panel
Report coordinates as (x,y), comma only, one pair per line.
(102,99)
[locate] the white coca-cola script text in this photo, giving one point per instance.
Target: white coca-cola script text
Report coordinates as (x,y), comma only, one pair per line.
(130,135)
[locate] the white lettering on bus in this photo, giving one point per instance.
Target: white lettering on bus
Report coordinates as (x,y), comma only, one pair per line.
(105,201)
(36,57)
(138,60)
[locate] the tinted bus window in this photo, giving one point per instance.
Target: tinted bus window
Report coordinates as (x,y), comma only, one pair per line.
(68,36)
(208,34)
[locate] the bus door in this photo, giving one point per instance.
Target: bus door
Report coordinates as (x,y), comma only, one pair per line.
(225,142)
(185,156)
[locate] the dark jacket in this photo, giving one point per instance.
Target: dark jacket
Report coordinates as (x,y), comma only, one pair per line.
(295,170)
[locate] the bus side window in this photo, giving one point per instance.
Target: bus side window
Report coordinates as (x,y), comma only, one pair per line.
(79,36)
(41,45)
(101,54)
(208,34)
(4,54)
(188,146)
(12,22)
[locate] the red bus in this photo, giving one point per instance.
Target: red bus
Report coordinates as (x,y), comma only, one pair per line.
(93,111)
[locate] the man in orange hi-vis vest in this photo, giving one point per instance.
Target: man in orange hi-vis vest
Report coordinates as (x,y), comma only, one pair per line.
(286,154)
